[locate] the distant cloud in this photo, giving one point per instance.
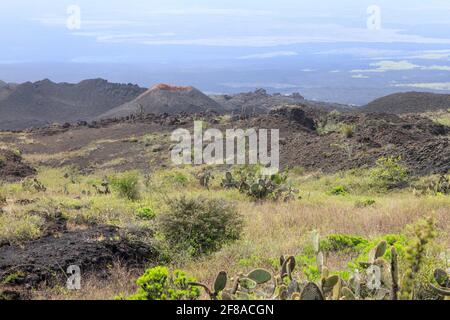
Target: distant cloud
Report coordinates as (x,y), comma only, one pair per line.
(443,86)
(438,68)
(336,34)
(272,85)
(132,37)
(432,55)
(99,59)
(384,66)
(259,34)
(210,12)
(13,61)
(362,52)
(359,76)
(269,55)
(88,23)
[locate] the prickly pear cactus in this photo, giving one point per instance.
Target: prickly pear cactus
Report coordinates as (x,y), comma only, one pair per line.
(443,280)
(311,292)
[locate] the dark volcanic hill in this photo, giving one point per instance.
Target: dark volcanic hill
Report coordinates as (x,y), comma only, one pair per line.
(43,102)
(163,98)
(261,101)
(6,89)
(409,102)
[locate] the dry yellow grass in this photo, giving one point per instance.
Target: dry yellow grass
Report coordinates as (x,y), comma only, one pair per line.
(274,229)
(120,282)
(271,229)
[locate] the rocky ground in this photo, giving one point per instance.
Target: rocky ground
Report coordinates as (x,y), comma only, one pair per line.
(12,167)
(310,138)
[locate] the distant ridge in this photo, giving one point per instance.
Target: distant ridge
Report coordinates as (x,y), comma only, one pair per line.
(164,98)
(409,102)
(44,102)
(6,89)
(259,101)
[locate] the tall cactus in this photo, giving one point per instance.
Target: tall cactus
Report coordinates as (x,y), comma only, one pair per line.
(394,274)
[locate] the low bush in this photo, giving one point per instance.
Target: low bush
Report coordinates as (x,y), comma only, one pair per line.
(343,242)
(338,191)
(200,226)
(127,185)
(158,284)
(389,173)
(145,213)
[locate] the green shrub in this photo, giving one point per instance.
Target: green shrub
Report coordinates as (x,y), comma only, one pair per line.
(179,179)
(338,242)
(388,173)
(200,226)
(2,161)
(145,213)
(127,185)
(158,284)
(338,191)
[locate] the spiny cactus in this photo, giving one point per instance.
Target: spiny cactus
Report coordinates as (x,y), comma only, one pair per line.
(33,184)
(443,280)
(347,294)
(219,285)
(441,291)
(424,232)
(320,258)
(251,182)
(287,266)
(205,178)
(328,283)
(311,292)
(441,277)
(380,281)
(229,182)
(260,276)
(241,286)
(394,274)
(380,250)
(104,187)
(441,186)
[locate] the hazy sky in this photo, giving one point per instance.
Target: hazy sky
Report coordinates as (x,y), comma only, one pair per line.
(112,31)
(69,40)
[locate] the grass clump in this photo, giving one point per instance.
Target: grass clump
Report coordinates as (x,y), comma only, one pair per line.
(127,185)
(17,228)
(338,191)
(200,226)
(365,203)
(347,130)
